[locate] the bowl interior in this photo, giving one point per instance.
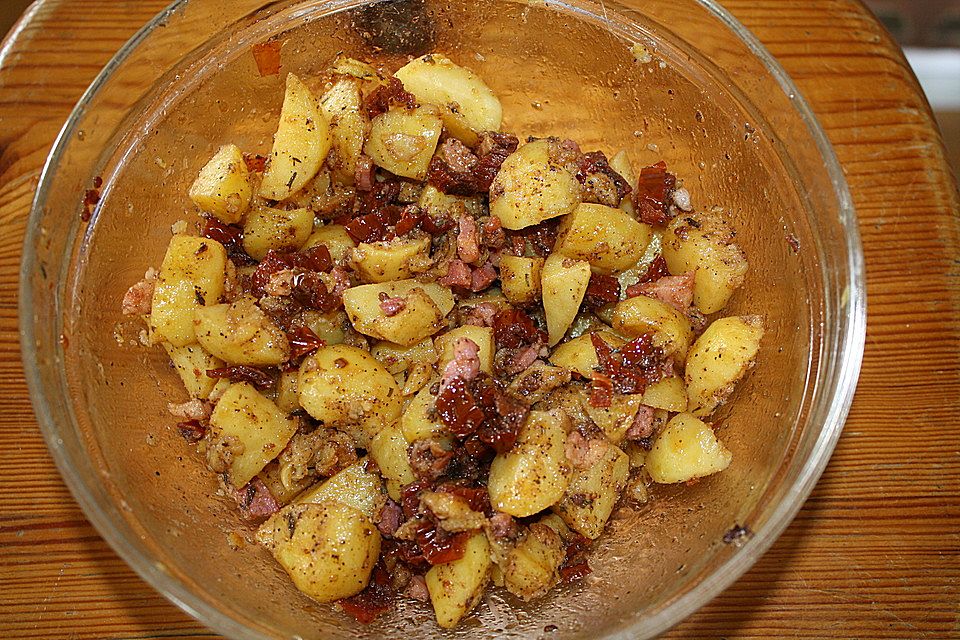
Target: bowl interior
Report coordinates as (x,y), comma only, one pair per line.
(733,136)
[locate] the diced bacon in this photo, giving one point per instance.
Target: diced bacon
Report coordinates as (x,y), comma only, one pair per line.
(458,275)
(195,409)
(583,452)
(521,359)
(676,291)
(392,306)
(483,277)
(363,174)
(390,518)
(468,240)
(503,526)
(139,298)
(642,426)
(481,315)
(465,363)
(255,500)
(280,283)
(458,156)
(417,589)
(428,458)
(339,281)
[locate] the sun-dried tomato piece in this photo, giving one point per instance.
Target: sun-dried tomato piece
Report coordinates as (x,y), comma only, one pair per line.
(310,291)
(652,197)
(592,168)
(655,270)
(243,373)
(493,149)
(410,219)
(540,238)
(631,367)
(436,226)
(388,95)
(303,341)
(476,497)
(439,546)
(602,290)
(458,409)
(575,564)
(601,390)
(316,258)
(512,328)
(376,599)
(503,415)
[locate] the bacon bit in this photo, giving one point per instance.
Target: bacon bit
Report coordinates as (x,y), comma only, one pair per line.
(676,291)
(481,315)
(512,328)
(242,373)
(458,171)
(255,162)
(794,243)
(388,95)
(303,341)
(255,500)
(483,277)
(642,426)
(653,195)
(391,515)
(458,275)
(504,527)
(736,534)
(457,408)
(267,57)
(364,173)
(441,547)
(376,599)
(601,390)
(417,589)
(493,235)
(391,306)
(195,409)
(514,361)
(468,240)
(138,299)
(428,459)
(655,270)
(465,364)
(192,431)
(602,290)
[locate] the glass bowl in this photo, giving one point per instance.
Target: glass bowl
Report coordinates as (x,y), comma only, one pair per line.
(700,92)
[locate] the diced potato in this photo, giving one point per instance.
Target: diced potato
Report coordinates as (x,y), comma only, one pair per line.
(536,382)
(606,237)
(260,426)
(329,550)
(394,490)
(389,450)
(398,359)
(266,228)
(670,329)
(402,141)
(283,493)
(300,145)
(331,327)
(346,66)
(349,125)
(481,336)
(532,566)
(686,449)
(456,587)
(420,419)
(563,283)
(593,492)
(241,333)
(703,243)
(396,259)
(192,363)
(669,394)
(436,203)
(426,305)
(719,359)
(636,454)
(223,187)
(335,238)
(621,164)
(346,386)
(531,187)
(579,354)
(468,105)
(617,418)
(191,275)
(287,397)
(520,278)
(534,474)
(353,486)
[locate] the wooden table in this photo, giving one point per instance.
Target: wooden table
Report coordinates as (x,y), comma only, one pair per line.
(876,550)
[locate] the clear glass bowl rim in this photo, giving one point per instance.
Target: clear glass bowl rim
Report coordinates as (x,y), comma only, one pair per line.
(849,354)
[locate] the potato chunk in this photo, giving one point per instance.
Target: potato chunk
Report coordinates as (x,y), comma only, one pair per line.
(520,278)
(300,145)
(420,420)
(669,394)
(353,486)
(580,355)
(222,188)
(345,386)
(468,105)
(424,306)
(192,363)
(686,449)
(335,238)
(593,492)
(563,282)
(257,423)
(670,329)
(481,336)
(531,187)
(402,141)
(606,237)
(533,475)
(191,275)
(398,359)
(719,359)
(389,450)
(456,587)
(703,243)
(532,566)
(342,105)
(241,333)
(329,550)
(267,228)
(396,259)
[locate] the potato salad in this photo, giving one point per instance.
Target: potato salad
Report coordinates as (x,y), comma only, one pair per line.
(428,357)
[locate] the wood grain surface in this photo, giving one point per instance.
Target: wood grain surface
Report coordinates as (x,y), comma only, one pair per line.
(874,553)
